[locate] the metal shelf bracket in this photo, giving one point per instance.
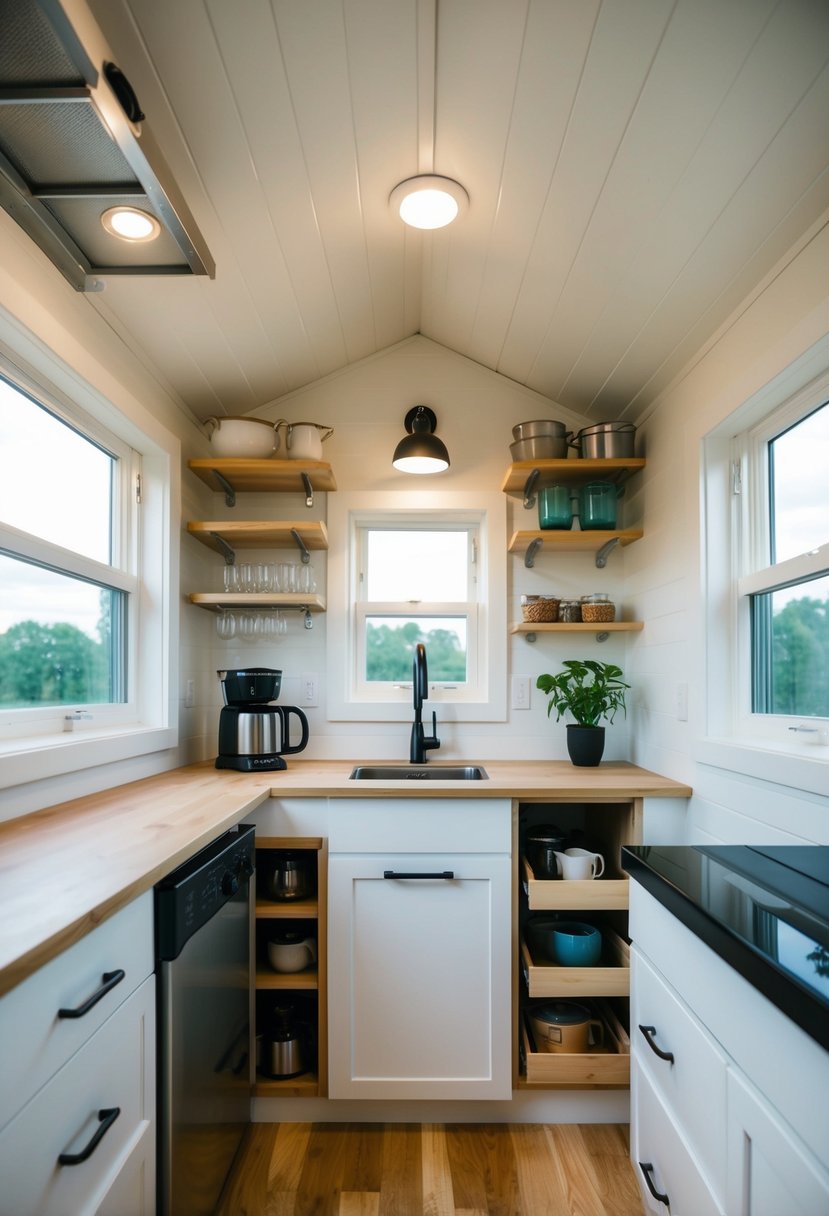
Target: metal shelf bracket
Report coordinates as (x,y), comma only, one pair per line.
(228,553)
(309,490)
(529,488)
(230,493)
(602,637)
(532,548)
(300,544)
(605,551)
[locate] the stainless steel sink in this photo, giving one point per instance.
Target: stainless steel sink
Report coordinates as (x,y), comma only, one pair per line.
(418,772)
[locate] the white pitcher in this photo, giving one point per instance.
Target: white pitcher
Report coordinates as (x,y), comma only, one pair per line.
(580,864)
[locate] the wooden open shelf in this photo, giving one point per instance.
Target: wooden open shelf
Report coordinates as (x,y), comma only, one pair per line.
(300,909)
(608,1065)
(570,472)
(217,601)
(280,476)
(578,541)
(259,534)
(305,1086)
(611,977)
(578,627)
(267,979)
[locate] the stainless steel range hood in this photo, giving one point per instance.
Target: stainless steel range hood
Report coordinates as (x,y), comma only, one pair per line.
(73,143)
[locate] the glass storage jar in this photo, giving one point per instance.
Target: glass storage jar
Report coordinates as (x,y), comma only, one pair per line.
(539,609)
(597,505)
(555,507)
(569,612)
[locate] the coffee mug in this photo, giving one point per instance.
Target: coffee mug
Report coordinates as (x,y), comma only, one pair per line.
(565,1026)
(576,944)
(290,952)
(580,863)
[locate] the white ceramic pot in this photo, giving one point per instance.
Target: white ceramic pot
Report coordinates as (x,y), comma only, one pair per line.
(303,440)
(289,954)
(251,437)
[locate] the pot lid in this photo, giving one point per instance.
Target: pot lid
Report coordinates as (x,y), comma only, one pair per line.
(562,1013)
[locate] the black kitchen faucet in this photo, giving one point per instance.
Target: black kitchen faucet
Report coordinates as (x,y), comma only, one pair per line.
(421,743)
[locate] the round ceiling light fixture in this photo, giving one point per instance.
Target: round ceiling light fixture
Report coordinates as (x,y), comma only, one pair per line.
(429,201)
(130,224)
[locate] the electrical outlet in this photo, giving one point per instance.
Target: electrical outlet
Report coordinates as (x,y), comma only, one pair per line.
(308,694)
(190,694)
(520,692)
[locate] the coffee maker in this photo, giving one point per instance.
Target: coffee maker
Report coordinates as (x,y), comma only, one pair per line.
(254,734)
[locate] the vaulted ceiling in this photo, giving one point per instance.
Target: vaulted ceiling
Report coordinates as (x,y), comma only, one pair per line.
(635,169)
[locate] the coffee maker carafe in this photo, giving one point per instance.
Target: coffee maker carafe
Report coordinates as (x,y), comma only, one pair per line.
(254,734)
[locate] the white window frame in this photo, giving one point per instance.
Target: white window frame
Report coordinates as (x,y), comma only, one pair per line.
(33,742)
(736,566)
(483,697)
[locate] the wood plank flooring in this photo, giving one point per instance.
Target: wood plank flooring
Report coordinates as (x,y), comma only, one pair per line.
(397,1169)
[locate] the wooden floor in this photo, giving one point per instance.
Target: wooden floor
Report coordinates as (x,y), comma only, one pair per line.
(395,1169)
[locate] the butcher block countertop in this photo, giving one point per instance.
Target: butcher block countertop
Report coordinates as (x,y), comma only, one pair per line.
(67,868)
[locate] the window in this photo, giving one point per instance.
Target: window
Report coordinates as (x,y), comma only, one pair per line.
(88,561)
(785,577)
(65,577)
(408,568)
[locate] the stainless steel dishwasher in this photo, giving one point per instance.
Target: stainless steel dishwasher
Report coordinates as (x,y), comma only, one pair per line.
(203,928)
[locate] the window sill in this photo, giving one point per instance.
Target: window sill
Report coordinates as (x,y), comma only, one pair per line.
(792,765)
(35,758)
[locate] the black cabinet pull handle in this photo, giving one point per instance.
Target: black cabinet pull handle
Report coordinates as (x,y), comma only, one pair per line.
(109,980)
(649,1032)
(106,1119)
(447,874)
(647,1169)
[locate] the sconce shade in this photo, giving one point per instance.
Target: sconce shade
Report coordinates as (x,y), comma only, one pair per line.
(421,451)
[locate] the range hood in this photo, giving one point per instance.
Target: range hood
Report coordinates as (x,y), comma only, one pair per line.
(74,143)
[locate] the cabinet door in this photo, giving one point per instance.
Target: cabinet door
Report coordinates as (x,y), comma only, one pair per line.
(770,1171)
(421,972)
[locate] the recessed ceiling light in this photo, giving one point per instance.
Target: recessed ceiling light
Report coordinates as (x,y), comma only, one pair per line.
(429,201)
(130,224)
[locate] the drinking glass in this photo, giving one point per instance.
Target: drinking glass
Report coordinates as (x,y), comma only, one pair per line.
(263,577)
(226,625)
(247,626)
(247,577)
(231,579)
(287,577)
(306,579)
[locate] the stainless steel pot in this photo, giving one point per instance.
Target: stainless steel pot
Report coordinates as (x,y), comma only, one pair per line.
(605,441)
(540,447)
(539,427)
(291,877)
(284,1049)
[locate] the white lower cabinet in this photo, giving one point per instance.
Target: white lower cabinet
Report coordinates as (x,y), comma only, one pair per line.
(770,1172)
(419,957)
(670,1177)
(734,1121)
(65,1151)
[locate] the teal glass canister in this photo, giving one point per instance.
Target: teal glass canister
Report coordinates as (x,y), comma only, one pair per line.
(555,507)
(597,505)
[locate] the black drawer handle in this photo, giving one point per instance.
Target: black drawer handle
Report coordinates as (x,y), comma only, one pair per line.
(647,1169)
(447,874)
(106,1118)
(649,1032)
(109,980)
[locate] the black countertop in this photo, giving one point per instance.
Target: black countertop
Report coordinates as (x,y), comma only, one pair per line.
(763,910)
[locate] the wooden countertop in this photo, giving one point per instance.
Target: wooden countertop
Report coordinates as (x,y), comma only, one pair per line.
(66,869)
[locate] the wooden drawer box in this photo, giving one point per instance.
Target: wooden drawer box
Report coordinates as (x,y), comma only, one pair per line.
(610,978)
(592,894)
(608,1066)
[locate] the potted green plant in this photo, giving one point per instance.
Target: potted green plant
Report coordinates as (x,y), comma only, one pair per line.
(588,691)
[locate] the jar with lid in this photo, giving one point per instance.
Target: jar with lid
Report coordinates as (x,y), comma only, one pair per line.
(597,505)
(555,508)
(539,609)
(569,612)
(597,607)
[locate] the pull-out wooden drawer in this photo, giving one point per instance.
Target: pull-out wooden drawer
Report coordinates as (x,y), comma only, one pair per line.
(605,1066)
(575,895)
(611,977)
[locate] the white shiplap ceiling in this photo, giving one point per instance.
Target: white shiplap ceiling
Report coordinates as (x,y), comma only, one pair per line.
(635,169)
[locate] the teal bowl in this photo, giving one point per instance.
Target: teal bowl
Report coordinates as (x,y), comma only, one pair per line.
(575,944)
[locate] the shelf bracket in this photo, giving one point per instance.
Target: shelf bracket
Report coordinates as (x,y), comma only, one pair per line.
(529,487)
(603,636)
(300,544)
(605,551)
(228,553)
(530,637)
(532,549)
(229,492)
(309,490)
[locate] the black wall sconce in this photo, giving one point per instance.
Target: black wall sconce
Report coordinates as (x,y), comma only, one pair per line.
(421,451)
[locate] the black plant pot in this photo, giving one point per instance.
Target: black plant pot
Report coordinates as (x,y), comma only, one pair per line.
(585,744)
